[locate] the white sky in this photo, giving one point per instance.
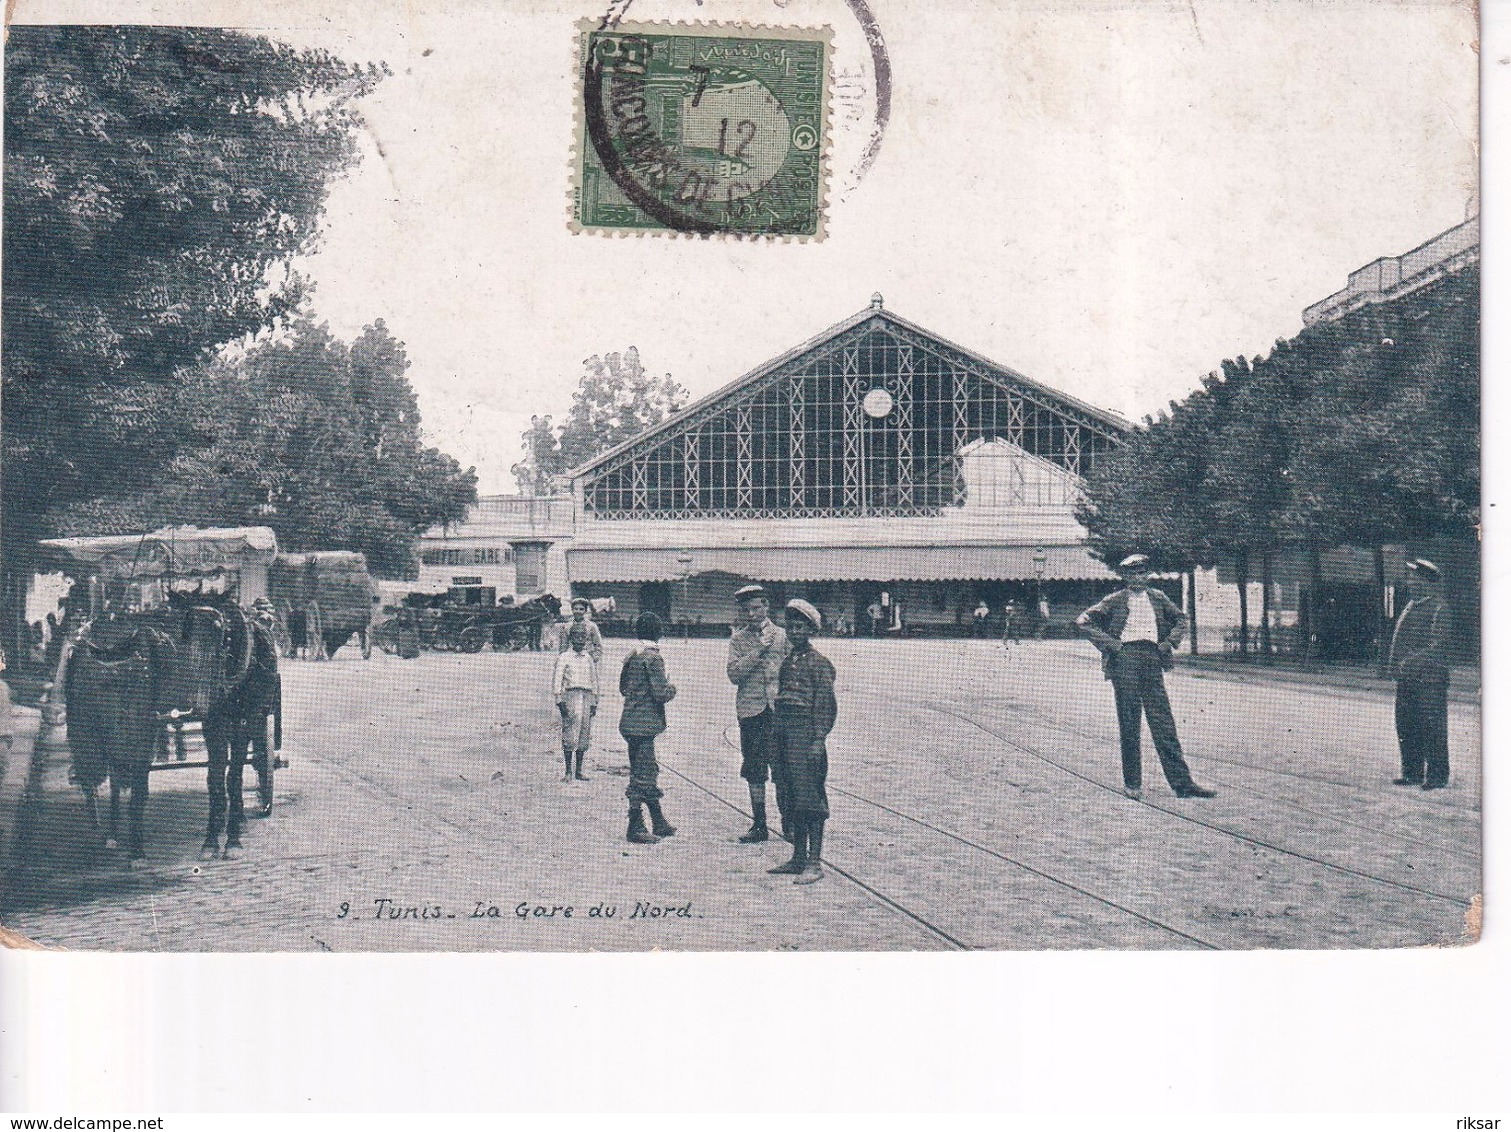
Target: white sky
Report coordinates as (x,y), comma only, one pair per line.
(1108,198)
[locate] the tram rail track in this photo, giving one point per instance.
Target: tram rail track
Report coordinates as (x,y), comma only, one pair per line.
(1038,719)
(1249,839)
(962,839)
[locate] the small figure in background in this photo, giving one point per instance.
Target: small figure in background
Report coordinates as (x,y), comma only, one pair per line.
(581,608)
(407,643)
(646,692)
(575,686)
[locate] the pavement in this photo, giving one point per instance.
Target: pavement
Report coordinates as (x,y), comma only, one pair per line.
(975,799)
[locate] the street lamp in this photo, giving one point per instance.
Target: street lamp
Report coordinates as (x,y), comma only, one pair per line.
(685,569)
(1041,559)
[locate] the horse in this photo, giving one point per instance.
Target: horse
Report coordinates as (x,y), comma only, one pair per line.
(200,656)
(118,680)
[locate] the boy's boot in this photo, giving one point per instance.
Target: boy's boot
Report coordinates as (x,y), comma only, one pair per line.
(566,754)
(637,832)
(799,860)
(815,837)
(758,830)
(580,776)
(659,825)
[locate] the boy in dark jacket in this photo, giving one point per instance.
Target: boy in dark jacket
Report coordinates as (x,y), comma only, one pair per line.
(646,691)
(805,712)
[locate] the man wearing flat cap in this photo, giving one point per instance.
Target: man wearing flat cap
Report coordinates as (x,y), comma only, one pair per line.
(581,606)
(756,651)
(805,713)
(1138,629)
(1419,663)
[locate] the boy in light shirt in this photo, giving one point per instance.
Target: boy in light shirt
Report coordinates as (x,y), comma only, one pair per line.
(575,685)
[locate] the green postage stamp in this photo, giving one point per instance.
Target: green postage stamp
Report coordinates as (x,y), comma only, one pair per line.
(702,128)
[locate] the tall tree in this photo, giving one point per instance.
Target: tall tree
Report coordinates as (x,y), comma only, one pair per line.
(616,399)
(317,439)
(158,182)
(542,465)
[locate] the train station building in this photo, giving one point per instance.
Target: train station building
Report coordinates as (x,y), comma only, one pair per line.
(876,465)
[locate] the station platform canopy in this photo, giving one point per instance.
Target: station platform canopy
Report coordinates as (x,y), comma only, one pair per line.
(171,551)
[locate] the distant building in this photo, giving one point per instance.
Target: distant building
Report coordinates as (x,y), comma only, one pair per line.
(509,546)
(1394,277)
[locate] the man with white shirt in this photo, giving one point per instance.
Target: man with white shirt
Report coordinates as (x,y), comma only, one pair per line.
(1138,630)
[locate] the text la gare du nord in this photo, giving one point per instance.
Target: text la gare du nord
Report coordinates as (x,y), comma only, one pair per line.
(385,908)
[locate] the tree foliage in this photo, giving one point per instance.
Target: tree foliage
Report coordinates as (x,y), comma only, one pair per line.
(315,438)
(616,399)
(158,182)
(1361,431)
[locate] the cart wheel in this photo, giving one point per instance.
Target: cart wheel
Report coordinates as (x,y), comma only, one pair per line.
(386,636)
(265,778)
(472,640)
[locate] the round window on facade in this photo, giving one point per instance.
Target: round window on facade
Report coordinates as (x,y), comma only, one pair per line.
(877,403)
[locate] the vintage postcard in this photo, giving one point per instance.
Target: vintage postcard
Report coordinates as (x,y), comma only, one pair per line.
(754,475)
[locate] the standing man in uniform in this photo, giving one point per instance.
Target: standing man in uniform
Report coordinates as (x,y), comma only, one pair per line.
(805,713)
(1419,662)
(580,608)
(1138,630)
(756,651)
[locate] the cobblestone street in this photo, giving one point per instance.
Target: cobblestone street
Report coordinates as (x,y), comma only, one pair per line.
(974,796)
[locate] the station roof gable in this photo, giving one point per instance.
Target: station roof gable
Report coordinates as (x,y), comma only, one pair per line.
(873,316)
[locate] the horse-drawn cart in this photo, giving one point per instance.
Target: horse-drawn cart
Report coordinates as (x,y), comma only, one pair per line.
(323,599)
(166,649)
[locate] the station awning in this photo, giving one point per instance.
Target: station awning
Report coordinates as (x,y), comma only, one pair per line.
(836,564)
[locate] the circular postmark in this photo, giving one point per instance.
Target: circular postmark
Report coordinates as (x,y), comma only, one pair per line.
(710,132)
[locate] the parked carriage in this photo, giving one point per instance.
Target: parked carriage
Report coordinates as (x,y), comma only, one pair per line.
(448,627)
(324,598)
(164,654)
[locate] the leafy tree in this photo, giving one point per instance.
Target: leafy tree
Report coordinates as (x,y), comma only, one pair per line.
(542,465)
(1361,431)
(615,400)
(158,181)
(317,439)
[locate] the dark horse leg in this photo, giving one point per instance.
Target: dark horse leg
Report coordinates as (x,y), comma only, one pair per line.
(92,810)
(115,813)
(138,808)
(217,750)
(238,761)
(262,762)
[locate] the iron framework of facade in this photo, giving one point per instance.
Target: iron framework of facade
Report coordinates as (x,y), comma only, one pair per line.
(795,441)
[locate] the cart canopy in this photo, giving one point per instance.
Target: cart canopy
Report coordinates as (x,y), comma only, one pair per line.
(175,551)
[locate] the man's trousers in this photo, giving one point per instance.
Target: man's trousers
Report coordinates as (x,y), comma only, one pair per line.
(1138,685)
(1422,728)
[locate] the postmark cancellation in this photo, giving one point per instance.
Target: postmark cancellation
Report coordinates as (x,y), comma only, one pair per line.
(703,129)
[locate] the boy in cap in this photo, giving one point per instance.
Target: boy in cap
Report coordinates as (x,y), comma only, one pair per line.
(580,609)
(1138,629)
(756,652)
(1419,662)
(805,711)
(646,692)
(575,685)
